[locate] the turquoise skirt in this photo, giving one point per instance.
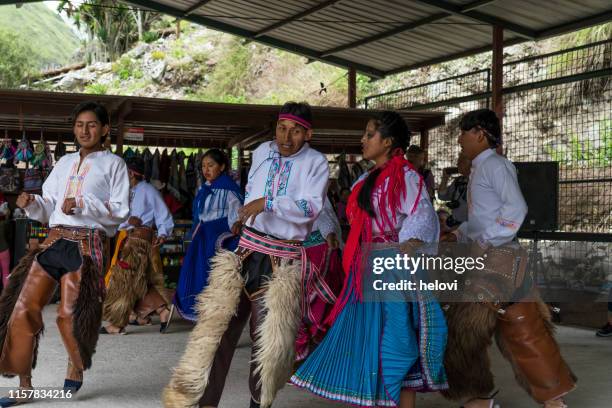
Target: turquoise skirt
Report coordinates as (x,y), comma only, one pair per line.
(374,349)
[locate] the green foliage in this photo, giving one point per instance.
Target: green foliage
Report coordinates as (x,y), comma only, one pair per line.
(97,88)
(16,61)
(229,80)
(124,68)
(583,152)
(158,55)
(51,41)
(116,26)
(178,50)
(150,36)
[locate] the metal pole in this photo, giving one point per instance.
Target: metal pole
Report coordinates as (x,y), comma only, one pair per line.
(497,67)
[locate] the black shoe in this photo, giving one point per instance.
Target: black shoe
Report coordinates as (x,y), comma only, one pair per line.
(72,385)
(605,331)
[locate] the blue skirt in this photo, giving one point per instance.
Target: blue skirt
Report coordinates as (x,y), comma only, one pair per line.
(374,349)
(194,272)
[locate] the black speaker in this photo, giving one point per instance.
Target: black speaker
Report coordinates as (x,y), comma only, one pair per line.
(539,182)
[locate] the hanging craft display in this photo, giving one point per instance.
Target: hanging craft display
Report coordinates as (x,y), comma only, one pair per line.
(24,150)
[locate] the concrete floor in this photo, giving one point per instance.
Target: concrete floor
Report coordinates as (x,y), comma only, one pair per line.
(130,371)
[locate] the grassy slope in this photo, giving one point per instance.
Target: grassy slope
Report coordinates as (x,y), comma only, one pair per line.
(51,39)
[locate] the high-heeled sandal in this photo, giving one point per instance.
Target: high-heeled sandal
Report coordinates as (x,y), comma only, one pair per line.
(491,397)
(163,326)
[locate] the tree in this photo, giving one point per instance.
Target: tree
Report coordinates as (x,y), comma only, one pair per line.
(111,26)
(17,62)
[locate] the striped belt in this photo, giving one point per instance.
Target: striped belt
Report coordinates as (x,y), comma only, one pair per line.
(311,276)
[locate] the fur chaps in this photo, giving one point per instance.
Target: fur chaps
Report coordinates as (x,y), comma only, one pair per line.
(127,286)
(466,360)
(87,314)
(275,336)
(217,304)
(156,273)
(10,294)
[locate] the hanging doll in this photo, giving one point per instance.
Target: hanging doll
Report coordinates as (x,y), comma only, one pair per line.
(7,150)
(42,155)
(24,150)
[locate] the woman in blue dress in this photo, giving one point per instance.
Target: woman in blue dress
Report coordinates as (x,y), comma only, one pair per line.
(379,354)
(215,219)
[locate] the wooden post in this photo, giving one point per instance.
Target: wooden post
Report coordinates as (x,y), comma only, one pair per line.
(120,127)
(178,28)
(497,68)
(425,143)
(352,88)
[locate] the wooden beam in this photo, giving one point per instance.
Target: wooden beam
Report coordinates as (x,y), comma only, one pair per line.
(352,88)
(236,140)
(481,18)
(295,17)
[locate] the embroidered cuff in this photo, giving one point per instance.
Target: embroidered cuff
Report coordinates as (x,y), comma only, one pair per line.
(268,204)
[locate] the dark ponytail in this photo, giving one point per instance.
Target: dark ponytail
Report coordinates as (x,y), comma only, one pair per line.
(390,125)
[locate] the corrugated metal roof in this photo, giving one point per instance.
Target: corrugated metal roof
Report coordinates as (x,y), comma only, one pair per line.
(380,37)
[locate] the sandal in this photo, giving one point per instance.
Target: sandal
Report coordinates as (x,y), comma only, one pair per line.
(490,397)
(103,330)
(560,403)
(163,326)
(135,322)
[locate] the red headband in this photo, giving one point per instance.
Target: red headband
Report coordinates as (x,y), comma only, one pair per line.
(296,119)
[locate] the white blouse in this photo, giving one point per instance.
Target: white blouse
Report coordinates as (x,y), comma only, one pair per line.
(423,224)
(221,203)
(99,185)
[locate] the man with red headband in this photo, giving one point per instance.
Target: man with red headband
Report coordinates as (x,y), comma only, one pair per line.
(266,276)
(136,279)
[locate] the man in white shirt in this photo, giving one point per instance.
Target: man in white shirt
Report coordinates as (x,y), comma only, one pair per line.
(284,196)
(137,276)
(84,200)
(496,210)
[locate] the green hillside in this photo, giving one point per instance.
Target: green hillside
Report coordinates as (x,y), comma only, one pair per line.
(50,38)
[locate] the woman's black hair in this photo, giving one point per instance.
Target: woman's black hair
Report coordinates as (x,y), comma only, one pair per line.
(219,157)
(299,109)
(91,106)
(485,119)
(390,125)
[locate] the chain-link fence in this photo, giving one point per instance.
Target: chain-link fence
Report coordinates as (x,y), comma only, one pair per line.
(558,107)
